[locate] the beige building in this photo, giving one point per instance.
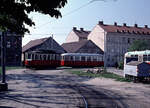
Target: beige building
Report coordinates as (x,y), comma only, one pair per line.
(76,42)
(77,35)
(115,40)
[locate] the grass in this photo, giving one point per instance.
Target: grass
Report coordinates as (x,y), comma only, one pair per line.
(9,68)
(104,75)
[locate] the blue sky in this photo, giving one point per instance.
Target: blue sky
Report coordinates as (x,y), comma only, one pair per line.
(120,11)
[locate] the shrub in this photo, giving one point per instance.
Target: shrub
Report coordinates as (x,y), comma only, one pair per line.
(121,65)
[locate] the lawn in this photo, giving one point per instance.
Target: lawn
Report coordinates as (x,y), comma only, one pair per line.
(103,74)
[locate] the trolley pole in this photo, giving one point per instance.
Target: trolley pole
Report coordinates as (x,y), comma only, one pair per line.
(3,84)
(105,51)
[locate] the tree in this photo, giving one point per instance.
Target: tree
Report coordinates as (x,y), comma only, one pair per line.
(14,13)
(139,45)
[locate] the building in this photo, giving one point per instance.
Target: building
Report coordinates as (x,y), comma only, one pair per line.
(77,35)
(47,44)
(115,39)
(84,46)
(13,48)
(76,42)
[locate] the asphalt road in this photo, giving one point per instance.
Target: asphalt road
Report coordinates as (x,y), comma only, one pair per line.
(60,89)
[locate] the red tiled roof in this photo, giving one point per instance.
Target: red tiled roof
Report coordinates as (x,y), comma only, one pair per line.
(82,34)
(126,29)
(33,43)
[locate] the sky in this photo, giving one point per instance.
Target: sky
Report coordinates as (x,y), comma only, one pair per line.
(83,14)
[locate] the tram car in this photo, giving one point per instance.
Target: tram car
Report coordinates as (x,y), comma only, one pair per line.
(82,60)
(42,59)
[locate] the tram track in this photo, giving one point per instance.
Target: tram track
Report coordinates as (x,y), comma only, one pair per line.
(80,95)
(78,99)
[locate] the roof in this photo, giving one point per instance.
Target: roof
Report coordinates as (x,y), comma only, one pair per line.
(74,46)
(33,43)
(125,29)
(81,33)
(81,54)
(146,52)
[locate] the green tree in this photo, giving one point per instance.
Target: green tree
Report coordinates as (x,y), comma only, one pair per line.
(139,45)
(14,13)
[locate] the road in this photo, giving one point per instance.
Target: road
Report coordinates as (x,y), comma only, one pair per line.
(60,89)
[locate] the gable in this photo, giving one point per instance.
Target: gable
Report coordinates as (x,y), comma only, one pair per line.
(90,47)
(72,37)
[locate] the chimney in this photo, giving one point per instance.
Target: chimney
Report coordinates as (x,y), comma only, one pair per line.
(82,29)
(74,28)
(135,25)
(115,23)
(124,24)
(101,23)
(146,26)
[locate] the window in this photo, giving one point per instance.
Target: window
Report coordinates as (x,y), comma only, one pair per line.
(36,57)
(100,58)
(71,58)
(40,57)
(29,56)
(66,58)
(129,40)
(82,58)
(88,58)
(148,57)
(77,58)
(44,57)
(94,58)
(144,57)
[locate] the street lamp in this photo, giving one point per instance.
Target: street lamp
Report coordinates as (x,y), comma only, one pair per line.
(3,84)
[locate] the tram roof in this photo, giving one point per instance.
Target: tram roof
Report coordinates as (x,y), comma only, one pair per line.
(45,52)
(81,54)
(146,52)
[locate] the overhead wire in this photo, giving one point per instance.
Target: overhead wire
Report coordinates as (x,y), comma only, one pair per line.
(71,12)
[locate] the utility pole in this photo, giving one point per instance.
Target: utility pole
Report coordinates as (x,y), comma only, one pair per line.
(3,84)
(105,51)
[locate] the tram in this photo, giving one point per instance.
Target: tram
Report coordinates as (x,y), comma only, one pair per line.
(42,59)
(82,60)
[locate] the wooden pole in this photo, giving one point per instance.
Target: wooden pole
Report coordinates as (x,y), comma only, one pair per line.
(3,85)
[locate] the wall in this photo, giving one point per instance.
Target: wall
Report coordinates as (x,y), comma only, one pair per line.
(72,37)
(97,36)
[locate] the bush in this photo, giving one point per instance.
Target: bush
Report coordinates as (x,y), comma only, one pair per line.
(121,65)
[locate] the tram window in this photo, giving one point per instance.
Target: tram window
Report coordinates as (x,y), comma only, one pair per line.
(88,58)
(44,57)
(67,58)
(29,56)
(95,58)
(36,56)
(32,56)
(40,57)
(77,58)
(144,57)
(56,57)
(148,57)
(26,56)
(136,56)
(82,58)
(48,57)
(52,57)
(71,58)
(99,58)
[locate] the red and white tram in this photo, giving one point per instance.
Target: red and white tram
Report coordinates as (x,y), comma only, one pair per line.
(40,59)
(82,60)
